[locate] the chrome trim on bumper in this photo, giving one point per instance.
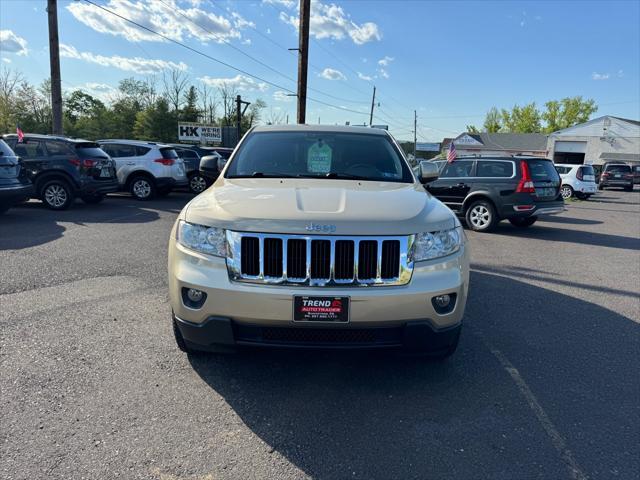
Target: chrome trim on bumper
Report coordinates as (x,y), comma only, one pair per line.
(550,211)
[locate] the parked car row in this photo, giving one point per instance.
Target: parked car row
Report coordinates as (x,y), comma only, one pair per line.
(58,169)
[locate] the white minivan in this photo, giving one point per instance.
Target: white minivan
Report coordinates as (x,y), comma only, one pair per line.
(578,180)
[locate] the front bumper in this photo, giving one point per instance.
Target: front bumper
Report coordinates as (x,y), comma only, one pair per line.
(246,306)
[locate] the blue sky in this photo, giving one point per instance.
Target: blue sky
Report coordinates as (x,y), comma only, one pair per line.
(450,61)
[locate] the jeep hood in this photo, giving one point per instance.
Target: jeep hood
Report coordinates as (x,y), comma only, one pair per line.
(291,205)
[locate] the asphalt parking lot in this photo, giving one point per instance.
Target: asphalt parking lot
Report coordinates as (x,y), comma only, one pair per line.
(544,385)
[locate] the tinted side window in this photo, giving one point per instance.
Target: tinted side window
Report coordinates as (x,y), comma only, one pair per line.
(29,149)
(587,170)
(117,150)
(489,169)
(187,153)
(57,148)
(542,170)
(563,170)
(457,169)
(4,148)
(141,151)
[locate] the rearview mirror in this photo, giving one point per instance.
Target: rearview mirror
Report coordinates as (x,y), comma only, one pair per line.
(428,172)
(209,166)
(221,163)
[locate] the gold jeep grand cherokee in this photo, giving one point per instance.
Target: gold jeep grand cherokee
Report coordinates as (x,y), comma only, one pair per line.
(318,237)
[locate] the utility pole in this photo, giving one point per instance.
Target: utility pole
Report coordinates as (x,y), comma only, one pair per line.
(373,101)
(415,133)
(54,61)
(239,113)
(303,59)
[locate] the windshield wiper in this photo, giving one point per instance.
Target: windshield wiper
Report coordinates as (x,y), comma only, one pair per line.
(264,175)
(344,176)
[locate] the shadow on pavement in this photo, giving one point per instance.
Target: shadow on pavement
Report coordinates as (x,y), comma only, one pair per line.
(31,224)
(569,220)
(565,235)
(347,415)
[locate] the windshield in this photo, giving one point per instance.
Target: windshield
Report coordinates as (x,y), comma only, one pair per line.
(542,170)
(168,153)
(335,155)
(90,150)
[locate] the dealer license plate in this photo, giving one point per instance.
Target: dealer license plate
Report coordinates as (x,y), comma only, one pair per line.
(105,172)
(320,309)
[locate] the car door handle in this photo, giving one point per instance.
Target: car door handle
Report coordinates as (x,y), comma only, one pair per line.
(461,184)
(131,163)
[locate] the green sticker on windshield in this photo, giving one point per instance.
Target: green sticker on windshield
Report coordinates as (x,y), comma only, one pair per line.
(319,158)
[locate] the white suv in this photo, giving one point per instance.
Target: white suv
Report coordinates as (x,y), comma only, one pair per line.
(146,168)
(578,180)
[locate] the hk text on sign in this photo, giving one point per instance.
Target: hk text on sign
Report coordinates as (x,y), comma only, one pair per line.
(198,132)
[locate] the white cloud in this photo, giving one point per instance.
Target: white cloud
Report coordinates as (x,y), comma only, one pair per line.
(12,43)
(383,64)
(280,96)
(129,64)
(102,91)
(620,73)
(6,60)
(332,74)
(331,21)
(239,82)
(246,41)
(600,76)
(362,76)
(165,17)
(284,3)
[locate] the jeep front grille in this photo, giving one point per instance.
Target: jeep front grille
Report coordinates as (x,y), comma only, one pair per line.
(319,260)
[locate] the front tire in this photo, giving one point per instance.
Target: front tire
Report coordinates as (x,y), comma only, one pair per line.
(57,194)
(142,187)
(481,216)
(197,184)
(628,189)
(523,222)
(566,192)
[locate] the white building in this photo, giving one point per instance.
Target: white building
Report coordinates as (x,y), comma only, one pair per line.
(597,141)
(502,144)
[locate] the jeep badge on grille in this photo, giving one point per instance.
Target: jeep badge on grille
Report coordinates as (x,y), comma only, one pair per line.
(314,227)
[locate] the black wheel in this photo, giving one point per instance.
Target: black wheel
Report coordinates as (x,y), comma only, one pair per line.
(628,189)
(581,196)
(180,339)
(566,191)
(142,187)
(56,194)
(523,222)
(481,216)
(197,183)
(92,199)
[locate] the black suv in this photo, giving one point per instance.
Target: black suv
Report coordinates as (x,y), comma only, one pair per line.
(15,187)
(485,190)
(63,168)
(616,175)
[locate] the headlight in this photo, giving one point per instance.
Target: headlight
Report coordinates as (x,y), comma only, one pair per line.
(432,245)
(210,240)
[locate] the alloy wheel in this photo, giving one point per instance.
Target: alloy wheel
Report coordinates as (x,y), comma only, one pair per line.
(55,195)
(197,184)
(480,216)
(141,188)
(566,192)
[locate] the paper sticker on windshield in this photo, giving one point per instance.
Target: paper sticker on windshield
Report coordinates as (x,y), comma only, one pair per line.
(319,158)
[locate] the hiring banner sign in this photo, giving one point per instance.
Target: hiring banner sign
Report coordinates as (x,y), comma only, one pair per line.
(198,132)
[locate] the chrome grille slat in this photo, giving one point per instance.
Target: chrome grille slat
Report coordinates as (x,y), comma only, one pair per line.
(319,260)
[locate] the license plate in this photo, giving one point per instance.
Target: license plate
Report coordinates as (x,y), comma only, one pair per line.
(105,172)
(180,170)
(545,192)
(321,309)
(617,175)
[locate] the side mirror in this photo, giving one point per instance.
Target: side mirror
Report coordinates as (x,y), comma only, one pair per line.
(428,172)
(221,163)
(209,166)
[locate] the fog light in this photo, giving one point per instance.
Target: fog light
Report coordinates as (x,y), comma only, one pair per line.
(193,298)
(196,295)
(442,301)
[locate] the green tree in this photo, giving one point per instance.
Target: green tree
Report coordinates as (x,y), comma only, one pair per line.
(190,111)
(472,129)
(156,123)
(567,112)
(492,121)
(522,119)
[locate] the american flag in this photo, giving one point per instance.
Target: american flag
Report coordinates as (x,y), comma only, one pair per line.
(20,134)
(451,154)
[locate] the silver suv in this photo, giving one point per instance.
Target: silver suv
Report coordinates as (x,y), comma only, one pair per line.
(318,237)
(146,169)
